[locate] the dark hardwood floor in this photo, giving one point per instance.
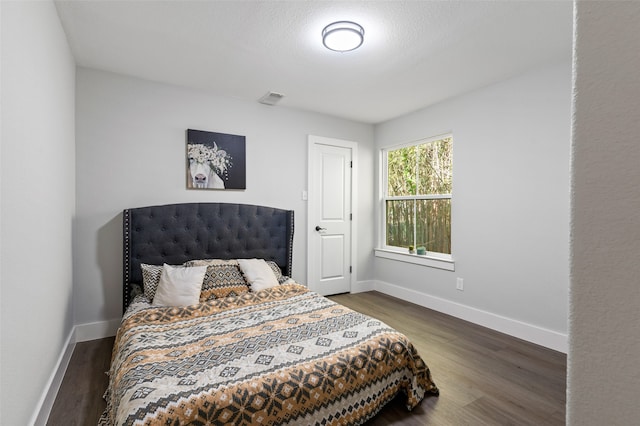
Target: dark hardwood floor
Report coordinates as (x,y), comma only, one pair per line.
(485,377)
(79,401)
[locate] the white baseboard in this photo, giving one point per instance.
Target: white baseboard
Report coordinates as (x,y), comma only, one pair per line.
(79,333)
(97,330)
(531,333)
(45,403)
(362,286)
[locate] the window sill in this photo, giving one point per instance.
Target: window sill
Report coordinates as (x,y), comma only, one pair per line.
(433,262)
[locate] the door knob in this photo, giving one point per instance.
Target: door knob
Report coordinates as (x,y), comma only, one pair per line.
(320,229)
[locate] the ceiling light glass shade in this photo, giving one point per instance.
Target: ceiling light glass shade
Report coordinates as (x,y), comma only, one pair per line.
(342,36)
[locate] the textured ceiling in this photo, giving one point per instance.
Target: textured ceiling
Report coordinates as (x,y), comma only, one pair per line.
(415,53)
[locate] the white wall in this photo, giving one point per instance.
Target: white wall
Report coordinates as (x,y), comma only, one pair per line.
(510,207)
(37,203)
(603,375)
(131,152)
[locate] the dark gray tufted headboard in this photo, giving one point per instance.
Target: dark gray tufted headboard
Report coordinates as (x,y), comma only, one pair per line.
(176,233)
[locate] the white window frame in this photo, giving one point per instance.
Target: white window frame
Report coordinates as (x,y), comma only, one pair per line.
(432,259)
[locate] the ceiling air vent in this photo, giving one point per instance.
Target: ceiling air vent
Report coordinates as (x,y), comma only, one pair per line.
(271,98)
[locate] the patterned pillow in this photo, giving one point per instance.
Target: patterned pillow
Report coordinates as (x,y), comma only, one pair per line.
(223,278)
(150,279)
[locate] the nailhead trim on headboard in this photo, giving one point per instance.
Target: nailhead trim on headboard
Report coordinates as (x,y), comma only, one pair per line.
(126,253)
(290,245)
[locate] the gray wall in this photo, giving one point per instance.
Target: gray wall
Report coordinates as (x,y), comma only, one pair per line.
(511,179)
(604,379)
(510,230)
(131,152)
(36,205)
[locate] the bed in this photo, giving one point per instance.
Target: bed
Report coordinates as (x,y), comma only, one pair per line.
(248,355)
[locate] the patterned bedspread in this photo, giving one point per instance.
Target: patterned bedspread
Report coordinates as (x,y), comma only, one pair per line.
(285,355)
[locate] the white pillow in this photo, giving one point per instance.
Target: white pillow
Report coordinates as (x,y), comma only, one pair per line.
(258,274)
(179,286)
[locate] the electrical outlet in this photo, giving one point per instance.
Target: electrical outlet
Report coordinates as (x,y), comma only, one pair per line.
(460,284)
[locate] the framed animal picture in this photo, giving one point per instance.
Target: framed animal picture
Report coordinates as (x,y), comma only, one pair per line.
(215,160)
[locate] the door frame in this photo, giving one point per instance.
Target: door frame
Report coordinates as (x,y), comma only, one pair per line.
(311,252)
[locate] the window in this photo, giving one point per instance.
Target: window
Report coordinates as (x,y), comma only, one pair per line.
(417,196)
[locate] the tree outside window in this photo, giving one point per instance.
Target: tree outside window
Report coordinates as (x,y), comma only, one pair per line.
(417,197)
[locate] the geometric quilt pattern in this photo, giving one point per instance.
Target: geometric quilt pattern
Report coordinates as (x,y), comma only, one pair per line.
(283,355)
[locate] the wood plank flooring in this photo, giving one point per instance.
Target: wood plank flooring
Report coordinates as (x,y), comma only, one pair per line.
(79,401)
(484,377)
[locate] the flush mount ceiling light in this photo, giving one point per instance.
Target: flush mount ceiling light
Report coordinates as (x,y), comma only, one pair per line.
(342,36)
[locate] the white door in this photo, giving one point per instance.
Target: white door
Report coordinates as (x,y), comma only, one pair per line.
(330,215)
